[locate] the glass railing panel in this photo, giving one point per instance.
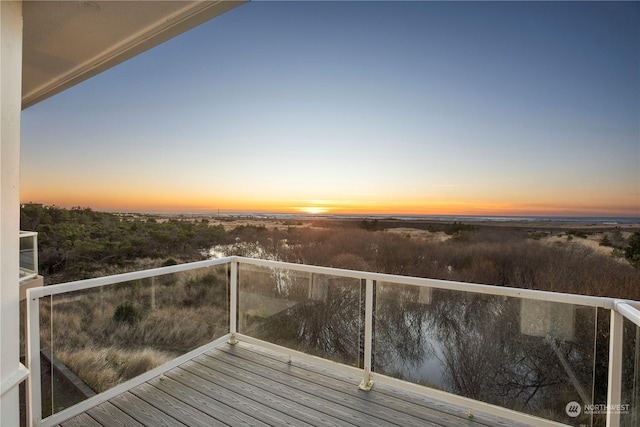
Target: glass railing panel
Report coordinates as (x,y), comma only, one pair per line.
(630,399)
(318,314)
(530,356)
(28,255)
(46,383)
(101,337)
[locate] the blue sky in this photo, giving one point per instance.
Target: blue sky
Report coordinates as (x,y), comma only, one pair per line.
(371,107)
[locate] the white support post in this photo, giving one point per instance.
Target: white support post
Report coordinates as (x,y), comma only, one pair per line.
(233,301)
(35,254)
(636,381)
(34,388)
(11,371)
(366,383)
(614,387)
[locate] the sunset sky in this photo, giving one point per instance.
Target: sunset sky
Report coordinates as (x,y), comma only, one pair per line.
(523,108)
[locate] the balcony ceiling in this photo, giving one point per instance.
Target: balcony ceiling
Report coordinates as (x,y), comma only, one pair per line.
(66,42)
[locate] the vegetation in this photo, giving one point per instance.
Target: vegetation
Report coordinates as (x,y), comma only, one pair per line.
(487,255)
(371,225)
(632,252)
(109,335)
(80,243)
(578,233)
(126,312)
(457,228)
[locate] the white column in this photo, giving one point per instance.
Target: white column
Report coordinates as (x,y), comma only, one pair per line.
(10,107)
(614,387)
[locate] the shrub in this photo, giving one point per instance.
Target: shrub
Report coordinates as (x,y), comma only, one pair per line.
(537,235)
(617,253)
(457,228)
(169,261)
(632,251)
(369,225)
(578,233)
(126,312)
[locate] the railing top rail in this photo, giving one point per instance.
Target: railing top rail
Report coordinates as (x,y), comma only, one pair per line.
(628,311)
(584,300)
(119,278)
(27,233)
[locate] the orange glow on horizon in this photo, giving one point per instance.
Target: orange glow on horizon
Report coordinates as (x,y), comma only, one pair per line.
(196,203)
(128,197)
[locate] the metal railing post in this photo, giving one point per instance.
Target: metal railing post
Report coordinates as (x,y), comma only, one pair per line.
(614,386)
(366,383)
(233,301)
(34,397)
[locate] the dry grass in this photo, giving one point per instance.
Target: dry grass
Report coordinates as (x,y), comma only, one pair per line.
(591,241)
(174,329)
(104,368)
(177,313)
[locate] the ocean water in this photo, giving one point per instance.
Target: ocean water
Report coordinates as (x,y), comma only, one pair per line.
(595,220)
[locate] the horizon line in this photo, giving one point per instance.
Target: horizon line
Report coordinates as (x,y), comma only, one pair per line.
(232,212)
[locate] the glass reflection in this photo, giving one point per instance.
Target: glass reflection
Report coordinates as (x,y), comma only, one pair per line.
(315,313)
(530,356)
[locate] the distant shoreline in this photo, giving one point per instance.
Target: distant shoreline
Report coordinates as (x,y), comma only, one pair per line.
(399,222)
(474,219)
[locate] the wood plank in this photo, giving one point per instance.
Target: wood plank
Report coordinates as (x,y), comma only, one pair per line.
(241,403)
(173,407)
(345,405)
(289,406)
(82,420)
(412,402)
(109,415)
(388,396)
(344,378)
(144,412)
(392,410)
(252,386)
(225,414)
(349,394)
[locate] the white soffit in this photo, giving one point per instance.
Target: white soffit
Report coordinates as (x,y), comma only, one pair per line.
(66,42)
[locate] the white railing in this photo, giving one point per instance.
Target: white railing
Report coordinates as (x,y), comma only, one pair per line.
(28,255)
(292,286)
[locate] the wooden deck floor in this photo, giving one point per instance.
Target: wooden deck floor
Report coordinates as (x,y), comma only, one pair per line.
(245,385)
